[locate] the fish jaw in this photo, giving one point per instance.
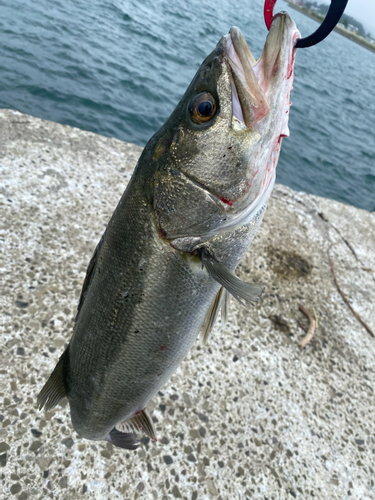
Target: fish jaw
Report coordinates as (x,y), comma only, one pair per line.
(248,99)
(272,78)
(275,74)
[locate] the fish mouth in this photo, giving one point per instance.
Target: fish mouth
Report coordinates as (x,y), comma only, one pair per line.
(252,80)
(261,99)
(248,99)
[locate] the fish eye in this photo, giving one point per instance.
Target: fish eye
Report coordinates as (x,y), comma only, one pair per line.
(202,107)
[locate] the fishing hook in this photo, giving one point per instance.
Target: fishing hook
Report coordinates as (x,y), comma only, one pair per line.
(335,11)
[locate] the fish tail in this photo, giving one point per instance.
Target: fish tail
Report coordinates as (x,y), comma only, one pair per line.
(127,440)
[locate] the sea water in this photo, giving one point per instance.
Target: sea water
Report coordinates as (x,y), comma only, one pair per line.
(119,67)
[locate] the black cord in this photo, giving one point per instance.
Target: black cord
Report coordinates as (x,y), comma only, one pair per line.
(336,10)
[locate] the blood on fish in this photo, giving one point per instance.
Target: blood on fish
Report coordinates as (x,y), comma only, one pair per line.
(163,347)
(227,201)
(291,62)
(290,70)
(280,137)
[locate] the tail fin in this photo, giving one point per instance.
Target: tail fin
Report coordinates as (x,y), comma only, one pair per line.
(54,389)
(127,440)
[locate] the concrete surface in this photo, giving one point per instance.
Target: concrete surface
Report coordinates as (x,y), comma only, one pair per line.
(250,415)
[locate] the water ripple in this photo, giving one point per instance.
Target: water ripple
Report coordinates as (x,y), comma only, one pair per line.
(119,67)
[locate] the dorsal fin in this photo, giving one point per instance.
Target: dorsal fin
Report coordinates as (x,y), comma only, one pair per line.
(89,276)
(54,390)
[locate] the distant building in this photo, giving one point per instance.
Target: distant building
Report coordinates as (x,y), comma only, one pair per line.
(352,28)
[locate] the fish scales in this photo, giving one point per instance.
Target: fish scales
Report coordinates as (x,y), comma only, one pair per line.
(131,331)
(164,266)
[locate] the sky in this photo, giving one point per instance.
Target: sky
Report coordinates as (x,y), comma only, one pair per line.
(362,10)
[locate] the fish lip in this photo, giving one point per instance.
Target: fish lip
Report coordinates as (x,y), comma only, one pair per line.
(251,79)
(277,59)
(248,100)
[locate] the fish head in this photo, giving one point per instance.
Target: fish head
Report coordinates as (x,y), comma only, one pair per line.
(218,151)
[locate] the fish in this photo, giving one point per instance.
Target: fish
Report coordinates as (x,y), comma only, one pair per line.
(164,268)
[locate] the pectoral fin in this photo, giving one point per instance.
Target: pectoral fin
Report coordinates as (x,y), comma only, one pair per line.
(249,292)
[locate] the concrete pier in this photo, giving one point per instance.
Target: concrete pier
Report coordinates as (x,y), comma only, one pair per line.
(248,416)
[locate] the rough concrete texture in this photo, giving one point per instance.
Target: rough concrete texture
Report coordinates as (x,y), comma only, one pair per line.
(250,415)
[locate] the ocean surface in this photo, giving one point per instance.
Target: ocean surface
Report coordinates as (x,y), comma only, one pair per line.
(119,67)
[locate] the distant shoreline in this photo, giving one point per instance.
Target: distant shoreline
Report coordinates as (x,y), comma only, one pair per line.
(348,34)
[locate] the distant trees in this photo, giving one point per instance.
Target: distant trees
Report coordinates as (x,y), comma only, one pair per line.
(345,19)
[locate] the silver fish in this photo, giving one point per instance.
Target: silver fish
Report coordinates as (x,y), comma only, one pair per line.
(165,264)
